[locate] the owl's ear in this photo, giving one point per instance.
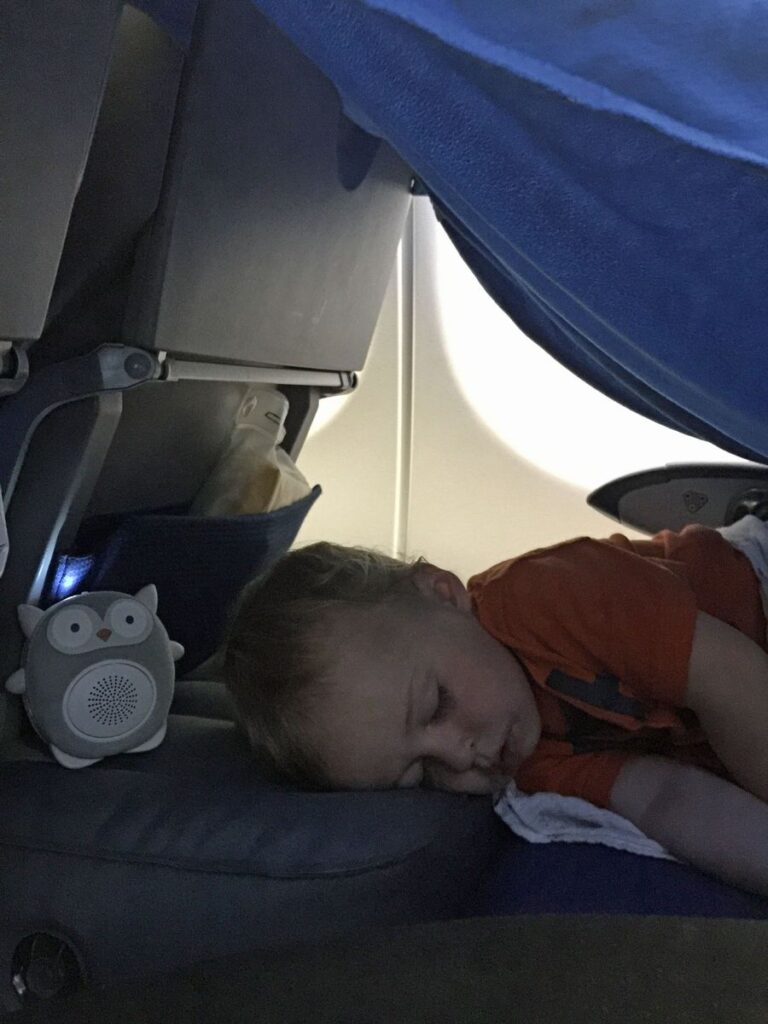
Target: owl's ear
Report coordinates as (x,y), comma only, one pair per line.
(29,616)
(148,597)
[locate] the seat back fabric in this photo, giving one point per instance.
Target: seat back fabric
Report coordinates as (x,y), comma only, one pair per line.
(51,85)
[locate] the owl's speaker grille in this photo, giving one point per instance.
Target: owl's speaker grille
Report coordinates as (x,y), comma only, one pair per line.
(113,699)
(109,700)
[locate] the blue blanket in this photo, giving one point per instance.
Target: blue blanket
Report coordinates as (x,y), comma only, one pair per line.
(601,165)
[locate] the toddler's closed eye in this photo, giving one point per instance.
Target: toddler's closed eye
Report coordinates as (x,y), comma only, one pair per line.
(443,704)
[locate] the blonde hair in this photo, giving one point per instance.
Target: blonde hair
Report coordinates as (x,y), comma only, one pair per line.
(276,656)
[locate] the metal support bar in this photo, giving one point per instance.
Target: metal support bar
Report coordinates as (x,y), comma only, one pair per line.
(302,406)
(327,381)
(69,451)
(117,368)
(109,368)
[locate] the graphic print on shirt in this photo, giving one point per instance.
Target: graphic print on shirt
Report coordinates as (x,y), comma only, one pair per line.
(603,692)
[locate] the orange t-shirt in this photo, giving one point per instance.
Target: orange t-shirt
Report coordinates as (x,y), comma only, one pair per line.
(604,630)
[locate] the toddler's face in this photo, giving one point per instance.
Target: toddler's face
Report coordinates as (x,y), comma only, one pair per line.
(421,693)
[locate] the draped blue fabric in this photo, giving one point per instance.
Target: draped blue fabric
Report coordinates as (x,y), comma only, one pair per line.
(602,166)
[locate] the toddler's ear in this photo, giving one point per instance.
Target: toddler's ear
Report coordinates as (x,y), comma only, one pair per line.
(431,581)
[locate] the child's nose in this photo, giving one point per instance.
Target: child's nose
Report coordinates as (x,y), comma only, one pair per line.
(455,748)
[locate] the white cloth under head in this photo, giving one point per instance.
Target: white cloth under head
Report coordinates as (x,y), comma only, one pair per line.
(551,818)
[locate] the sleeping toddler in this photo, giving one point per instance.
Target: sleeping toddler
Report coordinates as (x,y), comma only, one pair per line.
(630,673)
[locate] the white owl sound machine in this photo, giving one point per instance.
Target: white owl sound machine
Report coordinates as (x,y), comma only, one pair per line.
(98,675)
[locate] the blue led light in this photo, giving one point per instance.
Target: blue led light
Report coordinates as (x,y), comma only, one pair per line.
(70,574)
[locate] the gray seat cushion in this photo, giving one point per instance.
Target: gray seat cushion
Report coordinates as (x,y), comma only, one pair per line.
(152,861)
(203,697)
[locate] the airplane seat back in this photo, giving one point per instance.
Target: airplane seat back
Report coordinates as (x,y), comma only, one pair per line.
(229,227)
(47,122)
(92,104)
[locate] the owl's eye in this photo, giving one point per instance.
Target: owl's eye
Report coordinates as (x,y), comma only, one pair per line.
(127,618)
(70,629)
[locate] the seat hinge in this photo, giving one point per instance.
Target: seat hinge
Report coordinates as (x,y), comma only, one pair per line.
(14,367)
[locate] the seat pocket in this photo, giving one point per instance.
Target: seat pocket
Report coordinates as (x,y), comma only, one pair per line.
(199,564)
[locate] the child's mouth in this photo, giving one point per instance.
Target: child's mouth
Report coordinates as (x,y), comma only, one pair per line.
(508,759)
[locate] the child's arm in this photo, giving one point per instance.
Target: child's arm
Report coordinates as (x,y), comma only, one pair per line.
(728,691)
(698,817)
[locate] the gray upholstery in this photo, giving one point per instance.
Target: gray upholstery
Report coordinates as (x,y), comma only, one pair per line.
(147,862)
(41,170)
